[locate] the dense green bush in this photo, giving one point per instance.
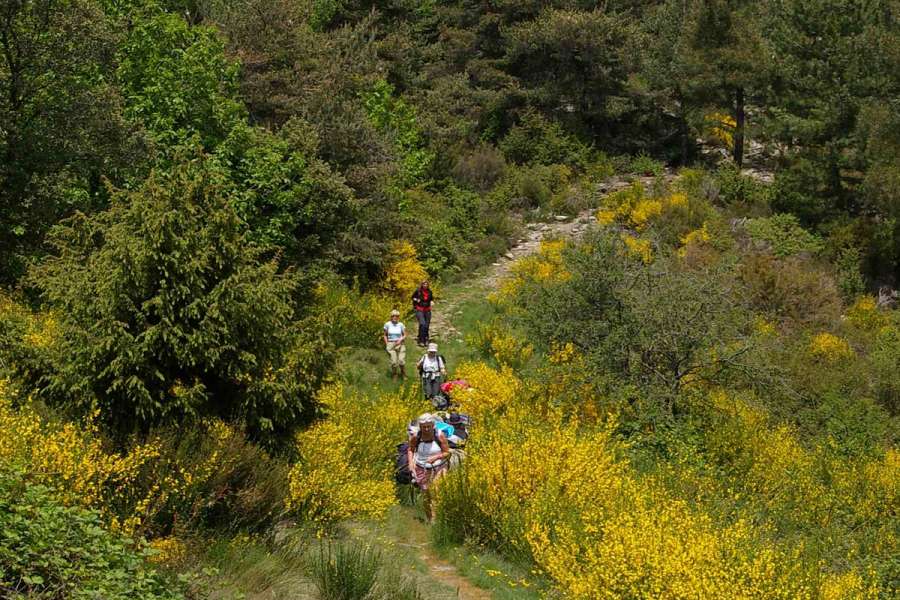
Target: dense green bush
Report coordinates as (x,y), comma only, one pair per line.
(886,363)
(782,235)
(49,551)
(480,169)
(743,192)
(392,114)
(848,272)
(291,202)
(642,164)
(537,140)
(166,314)
(529,187)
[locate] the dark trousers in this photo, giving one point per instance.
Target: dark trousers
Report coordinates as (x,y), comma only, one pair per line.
(431,387)
(424,319)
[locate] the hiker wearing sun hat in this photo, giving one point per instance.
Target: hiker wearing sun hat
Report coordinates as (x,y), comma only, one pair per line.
(394,335)
(432,369)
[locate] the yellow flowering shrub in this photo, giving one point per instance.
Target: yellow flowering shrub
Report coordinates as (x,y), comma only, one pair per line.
(144,489)
(865,315)
(873,486)
(69,458)
(548,486)
(404,272)
(639,248)
(562,495)
(354,317)
(44,331)
(678,200)
(326,487)
(830,348)
(767,460)
(644,211)
(39,329)
(720,127)
(694,239)
(630,208)
(606,216)
(346,461)
(763,327)
(169,551)
(490,389)
(546,266)
(674,216)
(847,586)
(375,423)
(562,354)
(643,544)
(500,343)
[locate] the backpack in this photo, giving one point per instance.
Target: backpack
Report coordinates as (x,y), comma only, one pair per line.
(440,401)
(401,472)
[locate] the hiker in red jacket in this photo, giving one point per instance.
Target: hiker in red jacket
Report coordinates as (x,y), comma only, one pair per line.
(422,300)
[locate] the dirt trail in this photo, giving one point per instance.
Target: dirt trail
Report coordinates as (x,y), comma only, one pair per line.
(409,537)
(415,537)
(561,226)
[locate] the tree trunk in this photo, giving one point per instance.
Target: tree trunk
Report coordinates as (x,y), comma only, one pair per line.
(684,130)
(739,118)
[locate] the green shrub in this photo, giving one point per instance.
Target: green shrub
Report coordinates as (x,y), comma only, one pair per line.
(290,202)
(49,551)
(855,426)
(886,364)
(440,247)
(574,198)
(176,80)
(642,164)
(782,235)
(849,274)
(531,187)
(533,192)
(480,169)
(538,141)
(600,168)
(742,191)
(166,313)
(393,115)
(797,190)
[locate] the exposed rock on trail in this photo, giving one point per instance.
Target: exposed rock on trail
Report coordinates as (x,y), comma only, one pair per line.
(561,226)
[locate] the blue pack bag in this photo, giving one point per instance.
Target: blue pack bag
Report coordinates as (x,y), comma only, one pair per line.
(444,428)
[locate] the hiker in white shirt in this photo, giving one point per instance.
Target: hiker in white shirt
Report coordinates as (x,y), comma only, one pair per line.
(394,335)
(432,369)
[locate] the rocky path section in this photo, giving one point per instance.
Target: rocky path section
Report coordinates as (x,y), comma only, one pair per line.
(561,226)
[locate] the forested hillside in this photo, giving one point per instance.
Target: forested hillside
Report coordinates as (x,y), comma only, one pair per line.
(210,208)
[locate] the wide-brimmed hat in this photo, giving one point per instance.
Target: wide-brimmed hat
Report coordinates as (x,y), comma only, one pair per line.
(395,313)
(457,419)
(432,347)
